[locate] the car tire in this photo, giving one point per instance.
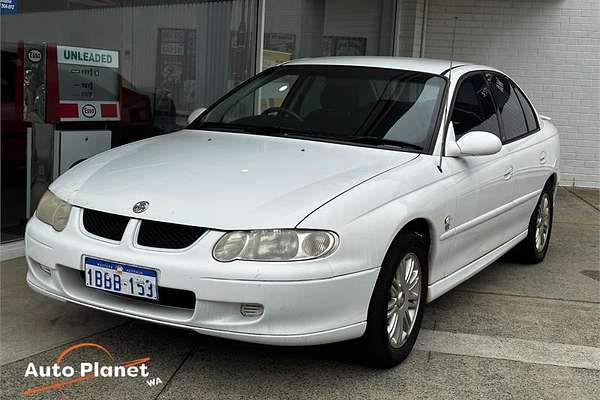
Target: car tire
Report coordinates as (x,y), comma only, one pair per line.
(533,248)
(392,295)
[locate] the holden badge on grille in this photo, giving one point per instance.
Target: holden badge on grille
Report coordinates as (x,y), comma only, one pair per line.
(140,206)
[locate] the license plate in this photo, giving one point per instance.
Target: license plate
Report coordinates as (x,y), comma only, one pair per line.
(121,278)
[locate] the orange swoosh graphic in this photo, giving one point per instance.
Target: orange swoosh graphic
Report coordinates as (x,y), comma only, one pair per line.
(62,355)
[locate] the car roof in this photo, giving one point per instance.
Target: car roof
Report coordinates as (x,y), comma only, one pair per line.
(427,65)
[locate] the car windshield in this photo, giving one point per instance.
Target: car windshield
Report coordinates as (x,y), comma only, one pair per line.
(359,105)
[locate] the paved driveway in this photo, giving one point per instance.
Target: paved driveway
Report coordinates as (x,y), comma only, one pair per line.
(511,332)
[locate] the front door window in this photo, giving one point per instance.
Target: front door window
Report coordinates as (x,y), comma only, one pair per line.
(474,108)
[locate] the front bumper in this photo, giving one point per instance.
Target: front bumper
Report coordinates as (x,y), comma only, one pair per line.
(297,311)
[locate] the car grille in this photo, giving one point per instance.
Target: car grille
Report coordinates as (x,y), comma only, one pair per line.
(166,296)
(155,234)
(109,226)
(168,236)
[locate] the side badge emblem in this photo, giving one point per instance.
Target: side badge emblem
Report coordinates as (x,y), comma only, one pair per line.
(140,207)
(448,223)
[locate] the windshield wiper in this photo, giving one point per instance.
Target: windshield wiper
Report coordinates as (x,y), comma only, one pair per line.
(220,126)
(311,134)
(256,129)
(307,134)
(304,132)
(382,142)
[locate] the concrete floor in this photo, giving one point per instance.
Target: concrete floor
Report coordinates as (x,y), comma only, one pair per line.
(513,331)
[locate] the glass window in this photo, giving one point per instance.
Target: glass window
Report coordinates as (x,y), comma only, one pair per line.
(123,70)
(9,76)
(273,94)
(474,108)
(315,28)
(532,124)
(268,97)
(349,104)
(509,107)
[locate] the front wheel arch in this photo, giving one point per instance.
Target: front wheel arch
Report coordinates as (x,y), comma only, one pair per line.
(421,227)
(424,229)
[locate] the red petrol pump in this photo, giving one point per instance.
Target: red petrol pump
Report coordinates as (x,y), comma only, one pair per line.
(72,98)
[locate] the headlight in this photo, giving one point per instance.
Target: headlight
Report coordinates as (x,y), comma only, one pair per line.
(274,245)
(53,211)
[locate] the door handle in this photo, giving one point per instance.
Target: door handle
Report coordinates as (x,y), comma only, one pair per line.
(543,157)
(509,173)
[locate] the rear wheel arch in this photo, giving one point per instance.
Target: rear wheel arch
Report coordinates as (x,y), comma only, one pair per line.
(532,249)
(551,182)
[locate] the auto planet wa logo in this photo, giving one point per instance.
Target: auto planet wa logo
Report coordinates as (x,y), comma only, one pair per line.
(88,111)
(65,374)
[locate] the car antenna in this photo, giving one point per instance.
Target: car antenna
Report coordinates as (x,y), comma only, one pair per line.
(447,110)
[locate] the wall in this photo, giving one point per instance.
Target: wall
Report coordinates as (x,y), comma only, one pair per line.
(549,47)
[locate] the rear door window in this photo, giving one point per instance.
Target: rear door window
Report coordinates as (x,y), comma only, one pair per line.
(511,113)
(532,123)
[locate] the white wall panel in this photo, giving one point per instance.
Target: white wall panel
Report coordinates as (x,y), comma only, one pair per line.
(551,48)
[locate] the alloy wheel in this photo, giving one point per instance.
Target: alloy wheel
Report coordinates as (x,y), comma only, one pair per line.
(404,299)
(542,224)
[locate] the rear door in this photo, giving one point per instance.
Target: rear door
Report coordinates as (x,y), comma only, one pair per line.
(521,138)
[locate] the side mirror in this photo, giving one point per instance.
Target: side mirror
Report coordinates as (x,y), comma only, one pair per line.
(475,143)
(195,114)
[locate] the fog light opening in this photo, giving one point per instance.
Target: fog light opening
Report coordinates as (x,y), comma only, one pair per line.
(252,310)
(45,269)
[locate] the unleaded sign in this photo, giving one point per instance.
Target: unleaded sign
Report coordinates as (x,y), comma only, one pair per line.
(91,57)
(89,87)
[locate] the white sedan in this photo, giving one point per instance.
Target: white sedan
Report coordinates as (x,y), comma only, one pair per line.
(323,200)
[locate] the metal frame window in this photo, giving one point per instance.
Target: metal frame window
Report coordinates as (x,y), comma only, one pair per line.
(394,31)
